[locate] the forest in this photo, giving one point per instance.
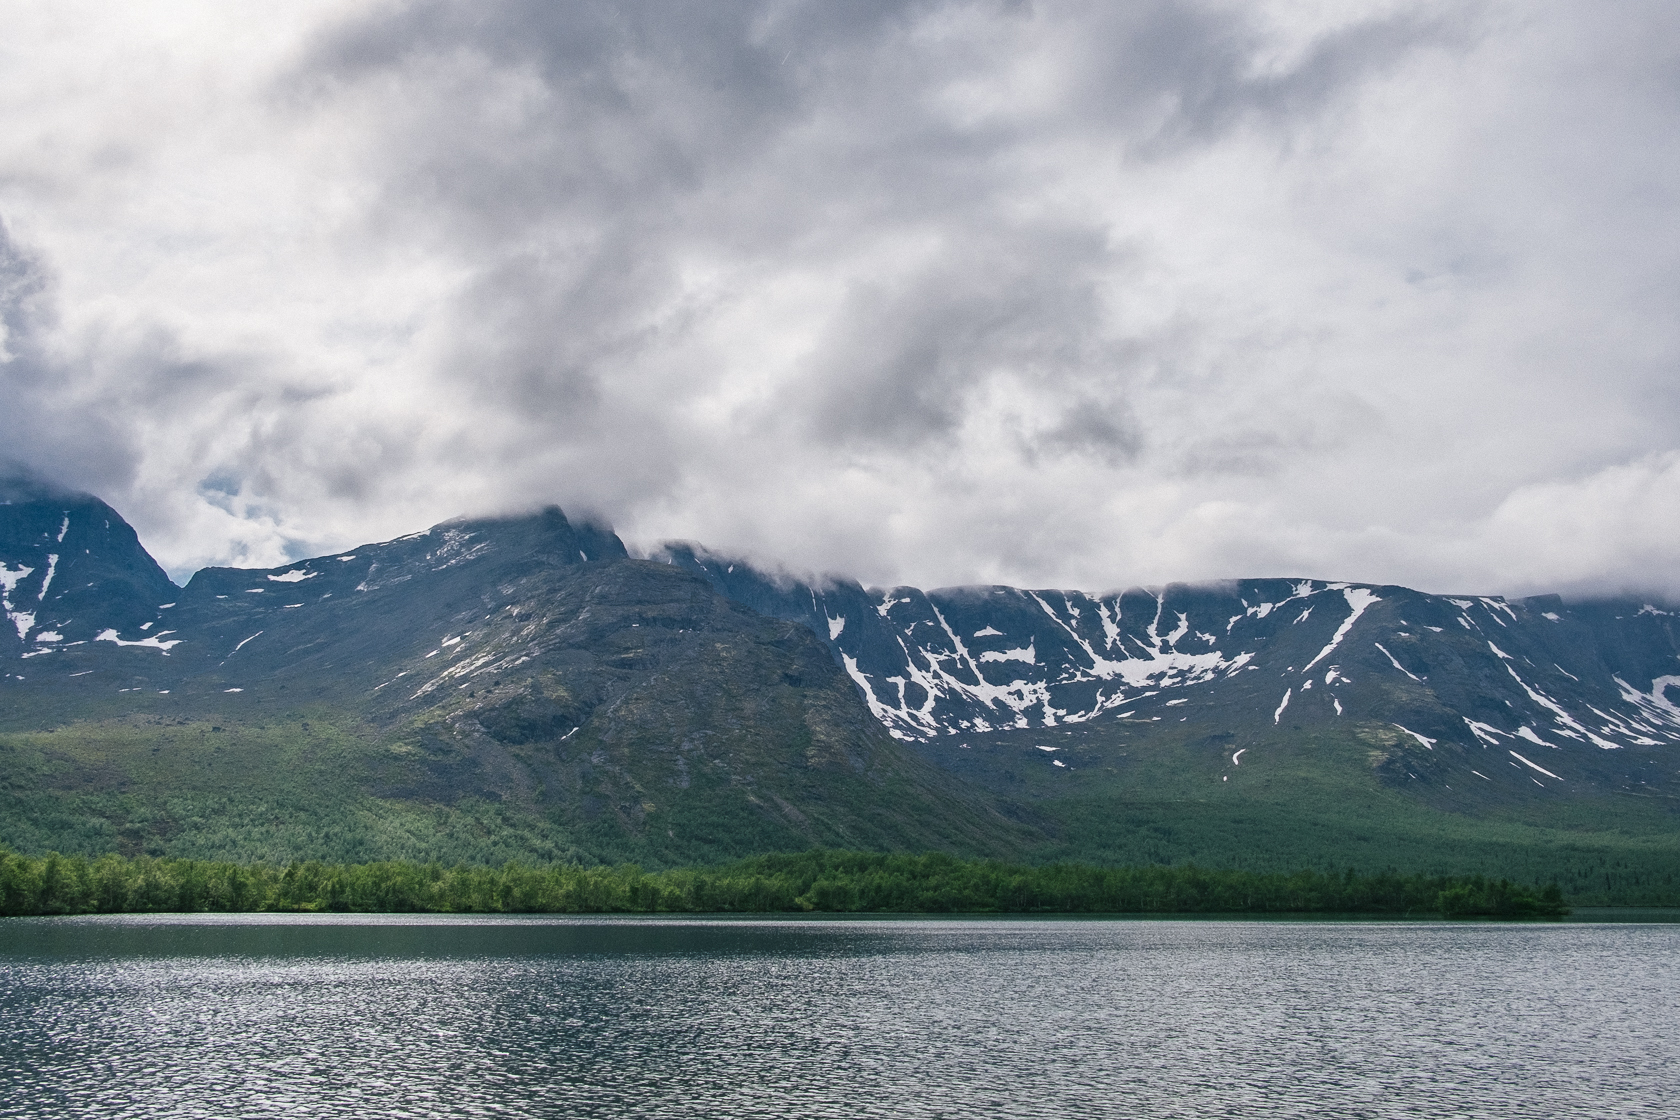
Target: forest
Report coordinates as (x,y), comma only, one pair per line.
(812,881)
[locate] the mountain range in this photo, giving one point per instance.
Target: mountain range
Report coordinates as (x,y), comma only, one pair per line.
(1518,694)
(525,688)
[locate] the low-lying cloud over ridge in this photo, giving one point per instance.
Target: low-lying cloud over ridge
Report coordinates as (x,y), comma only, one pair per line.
(1047,293)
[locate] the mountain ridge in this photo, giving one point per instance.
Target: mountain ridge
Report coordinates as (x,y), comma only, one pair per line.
(523,685)
(500,668)
(953,653)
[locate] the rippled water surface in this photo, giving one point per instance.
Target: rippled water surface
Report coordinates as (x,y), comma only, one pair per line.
(360,1016)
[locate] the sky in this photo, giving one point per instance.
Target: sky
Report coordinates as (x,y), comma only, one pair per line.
(1080,295)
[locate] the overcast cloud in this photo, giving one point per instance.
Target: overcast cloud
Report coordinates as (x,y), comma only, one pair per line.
(1060,294)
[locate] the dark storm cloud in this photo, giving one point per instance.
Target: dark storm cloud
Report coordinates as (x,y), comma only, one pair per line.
(576,151)
(901,365)
(44,428)
(626,107)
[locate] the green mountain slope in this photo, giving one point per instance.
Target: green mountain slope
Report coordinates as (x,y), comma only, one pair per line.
(481,692)
(523,689)
(1274,723)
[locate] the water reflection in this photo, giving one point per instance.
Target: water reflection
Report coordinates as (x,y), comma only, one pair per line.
(419,1017)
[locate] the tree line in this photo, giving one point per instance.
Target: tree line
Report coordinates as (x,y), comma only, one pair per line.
(812,881)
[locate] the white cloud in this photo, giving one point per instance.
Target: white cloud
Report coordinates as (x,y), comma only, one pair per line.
(1616,526)
(1064,294)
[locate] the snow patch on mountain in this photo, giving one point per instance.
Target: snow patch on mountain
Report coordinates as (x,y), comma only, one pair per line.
(1359,600)
(1424,739)
(1484,732)
(1655,703)
(10,578)
(154,642)
(1393,661)
(1534,766)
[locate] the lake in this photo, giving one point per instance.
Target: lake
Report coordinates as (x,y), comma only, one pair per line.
(356,1016)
